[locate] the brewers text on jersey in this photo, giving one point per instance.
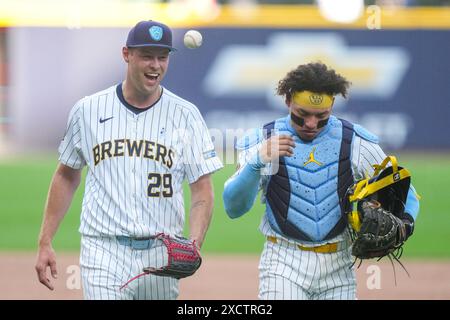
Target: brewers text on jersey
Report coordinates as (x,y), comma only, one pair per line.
(126,147)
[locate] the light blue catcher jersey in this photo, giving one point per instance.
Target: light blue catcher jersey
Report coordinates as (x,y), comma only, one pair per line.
(306,198)
(356,143)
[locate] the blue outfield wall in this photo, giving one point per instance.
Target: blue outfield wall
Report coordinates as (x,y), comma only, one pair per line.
(400,91)
(401,78)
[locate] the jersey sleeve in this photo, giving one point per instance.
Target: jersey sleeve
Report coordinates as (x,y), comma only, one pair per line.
(70,152)
(248,158)
(364,155)
(241,189)
(200,155)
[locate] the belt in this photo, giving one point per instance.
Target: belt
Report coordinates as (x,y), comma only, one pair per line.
(325,248)
(136,243)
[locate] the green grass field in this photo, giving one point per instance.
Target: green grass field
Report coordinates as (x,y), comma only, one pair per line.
(24,184)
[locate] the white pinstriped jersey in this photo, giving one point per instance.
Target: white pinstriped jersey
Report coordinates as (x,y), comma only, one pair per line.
(364,154)
(136,162)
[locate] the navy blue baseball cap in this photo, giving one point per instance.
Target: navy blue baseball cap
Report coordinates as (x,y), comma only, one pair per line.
(150,34)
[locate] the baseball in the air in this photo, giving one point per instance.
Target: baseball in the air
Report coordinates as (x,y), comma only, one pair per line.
(193,39)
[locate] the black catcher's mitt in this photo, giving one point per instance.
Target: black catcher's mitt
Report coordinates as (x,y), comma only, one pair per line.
(378,219)
(183,258)
(380,234)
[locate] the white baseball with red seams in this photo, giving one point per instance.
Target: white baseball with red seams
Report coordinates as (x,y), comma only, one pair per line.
(193,39)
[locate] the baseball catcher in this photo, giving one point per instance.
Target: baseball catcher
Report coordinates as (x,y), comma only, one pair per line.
(183,259)
(379,222)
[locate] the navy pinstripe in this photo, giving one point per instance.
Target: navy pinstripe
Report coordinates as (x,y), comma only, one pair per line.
(116,200)
(285,272)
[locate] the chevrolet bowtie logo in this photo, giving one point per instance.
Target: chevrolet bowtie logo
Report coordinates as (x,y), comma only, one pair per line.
(311,159)
(250,77)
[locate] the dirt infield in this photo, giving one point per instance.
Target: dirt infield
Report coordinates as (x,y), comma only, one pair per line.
(229,277)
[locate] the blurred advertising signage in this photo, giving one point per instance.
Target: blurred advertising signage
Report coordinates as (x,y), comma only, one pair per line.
(399,77)
(376,72)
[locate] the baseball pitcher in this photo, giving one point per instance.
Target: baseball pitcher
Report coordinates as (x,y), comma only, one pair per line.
(139,142)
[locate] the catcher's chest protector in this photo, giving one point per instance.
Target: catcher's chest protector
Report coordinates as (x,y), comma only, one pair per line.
(304,197)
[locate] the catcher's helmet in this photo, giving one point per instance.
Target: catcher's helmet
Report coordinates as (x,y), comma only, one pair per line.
(389,186)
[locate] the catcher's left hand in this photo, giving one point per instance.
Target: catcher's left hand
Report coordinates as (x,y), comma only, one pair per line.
(380,233)
(183,258)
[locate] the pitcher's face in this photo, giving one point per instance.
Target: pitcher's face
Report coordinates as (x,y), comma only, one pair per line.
(147,67)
